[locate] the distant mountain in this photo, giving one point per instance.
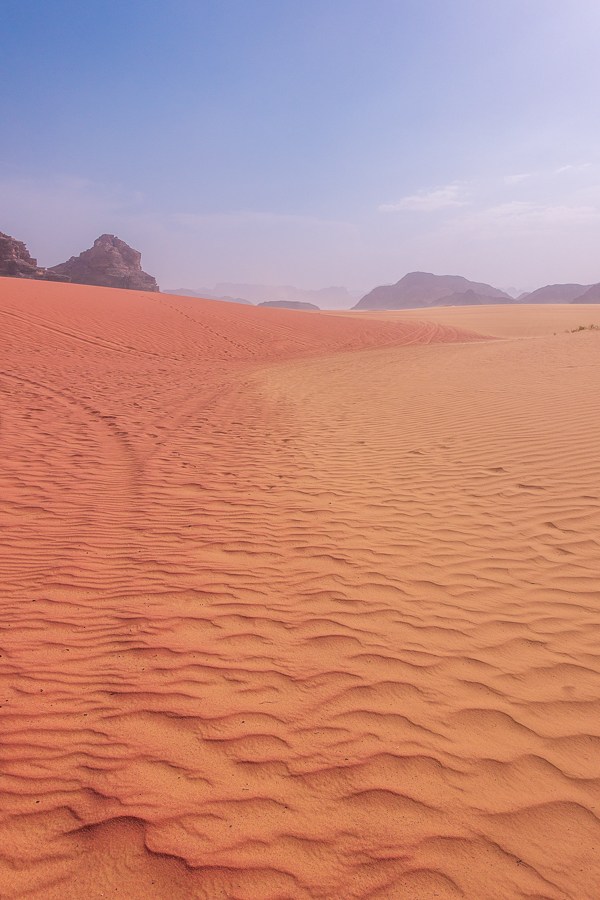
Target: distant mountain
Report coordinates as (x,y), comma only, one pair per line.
(470,298)
(184,292)
(419,289)
(591,296)
(206,295)
(109,263)
(555,293)
(513,291)
(289,304)
(324,298)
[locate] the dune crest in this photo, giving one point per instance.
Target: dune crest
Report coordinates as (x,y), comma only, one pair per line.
(296,605)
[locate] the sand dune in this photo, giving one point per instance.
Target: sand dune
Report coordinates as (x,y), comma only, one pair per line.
(324,589)
(521,321)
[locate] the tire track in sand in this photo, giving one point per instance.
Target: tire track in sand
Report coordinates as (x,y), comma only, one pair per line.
(351,647)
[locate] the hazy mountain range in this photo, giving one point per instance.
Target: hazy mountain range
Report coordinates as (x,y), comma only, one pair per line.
(323,298)
(419,289)
(555,293)
(422,289)
(113,263)
(415,290)
(205,295)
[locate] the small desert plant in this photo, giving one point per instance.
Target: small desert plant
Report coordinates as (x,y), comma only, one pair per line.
(584,328)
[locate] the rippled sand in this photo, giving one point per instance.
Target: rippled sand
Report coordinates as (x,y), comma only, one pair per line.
(297,605)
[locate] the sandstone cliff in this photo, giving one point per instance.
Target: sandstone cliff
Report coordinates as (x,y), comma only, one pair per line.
(109,263)
(16,262)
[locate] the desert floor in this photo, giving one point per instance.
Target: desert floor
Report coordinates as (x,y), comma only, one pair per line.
(297,605)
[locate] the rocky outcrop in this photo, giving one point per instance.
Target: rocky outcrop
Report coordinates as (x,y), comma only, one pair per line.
(109,263)
(419,289)
(289,304)
(16,262)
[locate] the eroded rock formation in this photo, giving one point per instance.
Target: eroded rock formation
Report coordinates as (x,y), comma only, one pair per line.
(16,262)
(109,263)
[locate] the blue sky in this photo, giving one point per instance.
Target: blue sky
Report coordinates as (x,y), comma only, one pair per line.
(308,142)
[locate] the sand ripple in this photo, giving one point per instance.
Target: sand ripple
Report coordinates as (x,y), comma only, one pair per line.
(294,606)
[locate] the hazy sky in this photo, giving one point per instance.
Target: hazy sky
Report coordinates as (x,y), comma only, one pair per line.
(308,142)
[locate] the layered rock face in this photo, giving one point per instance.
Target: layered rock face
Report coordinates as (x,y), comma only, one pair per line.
(16,262)
(109,263)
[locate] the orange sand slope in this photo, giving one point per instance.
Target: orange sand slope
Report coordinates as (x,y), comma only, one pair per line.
(288,616)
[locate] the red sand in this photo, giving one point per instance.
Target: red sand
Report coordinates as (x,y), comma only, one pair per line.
(291,609)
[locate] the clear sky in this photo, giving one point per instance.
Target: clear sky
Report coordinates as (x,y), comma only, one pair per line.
(307,142)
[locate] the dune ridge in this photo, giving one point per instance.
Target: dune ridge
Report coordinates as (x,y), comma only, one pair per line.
(296,605)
